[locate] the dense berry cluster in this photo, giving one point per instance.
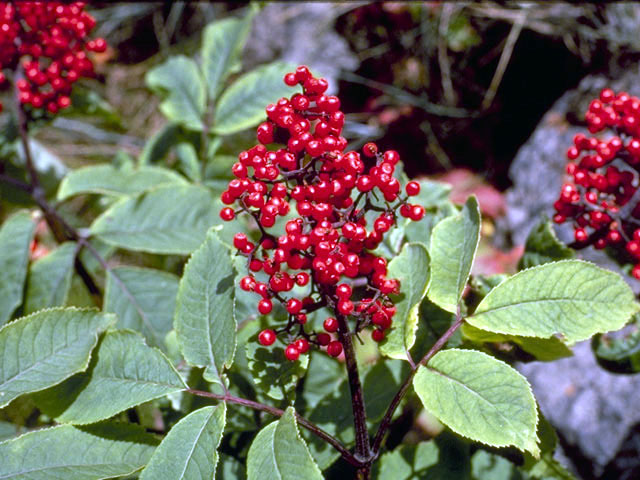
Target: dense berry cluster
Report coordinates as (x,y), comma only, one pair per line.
(326,250)
(48,41)
(603,198)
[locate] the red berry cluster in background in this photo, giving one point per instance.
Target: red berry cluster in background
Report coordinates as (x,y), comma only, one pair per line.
(48,41)
(603,198)
(325,250)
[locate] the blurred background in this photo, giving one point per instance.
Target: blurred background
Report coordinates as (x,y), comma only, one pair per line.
(486,96)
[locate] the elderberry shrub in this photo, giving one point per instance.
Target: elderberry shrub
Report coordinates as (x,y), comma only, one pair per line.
(46,43)
(602,198)
(327,248)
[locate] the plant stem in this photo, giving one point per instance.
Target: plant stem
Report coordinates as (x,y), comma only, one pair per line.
(313,428)
(363,449)
(386,420)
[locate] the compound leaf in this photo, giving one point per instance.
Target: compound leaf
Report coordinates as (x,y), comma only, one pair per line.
(480,398)
(188,452)
(47,347)
(454,243)
(279,452)
(411,267)
(572,298)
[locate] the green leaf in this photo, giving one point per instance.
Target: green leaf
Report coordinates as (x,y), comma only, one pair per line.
(411,267)
(222,43)
(572,298)
(272,373)
(169,219)
(47,347)
(544,349)
(50,279)
(188,452)
(109,180)
(480,398)
(489,466)
(242,104)
(423,230)
(432,194)
(380,384)
(543,246)
(453,247)
(90,453)
(278,452)
(204,320)
(189,161)
(124,372)
(619,352)
(444,458)
(179,79)
(15,238)
(144,300)
(230,469)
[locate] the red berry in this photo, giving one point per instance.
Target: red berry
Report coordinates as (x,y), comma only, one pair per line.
(267,337)
(334,348)
(294,306)
(292,353)
(412,188)
(343,291)
(323,339)
(265,306)
(227,214)
(377,335)
(330,325)
(302,345)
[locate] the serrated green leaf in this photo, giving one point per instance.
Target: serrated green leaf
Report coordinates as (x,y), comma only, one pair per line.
(222,43)
(543,246)
(144,300)
(15,238)
(89,453)
(572,298)
(454,243)
(272,373)
(49,279)
(109,180)
(168,219)
(242,104)
(444,458)
(179,79)
(204,320)
(47,347)
(124,372)
(411,267)
(278,452)
(544,349)
(421,231)
(188,452)
(480,398)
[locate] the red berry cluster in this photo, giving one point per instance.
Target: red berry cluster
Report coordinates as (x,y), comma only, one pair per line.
(603,198)
(326,249)
(51,40)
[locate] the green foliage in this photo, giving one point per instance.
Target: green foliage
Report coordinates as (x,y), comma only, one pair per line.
(411,267)
(279,452)
(242,104)
(100,451)
(169,219)
(572,298)
(204,320)
(480,398)
(453,247)
(179,79)
(272,373)
(110,180)
(619,353)
(188,452)
(543,246)
(15,238)
(47,347)
(143,300)
(49,279)
(124,372)
(222,43)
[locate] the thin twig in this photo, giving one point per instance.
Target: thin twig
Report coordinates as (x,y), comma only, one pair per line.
(386,420)
(313,428)
(443,59)
(512,38)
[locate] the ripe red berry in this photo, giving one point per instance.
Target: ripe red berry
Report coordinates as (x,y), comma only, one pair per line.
(412,188)
(292,353)
(267,337)
(294,306)
(330,325)
(265,306)
(302,345)
(227,214)
(377,335)
(323,339)
(334,348)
